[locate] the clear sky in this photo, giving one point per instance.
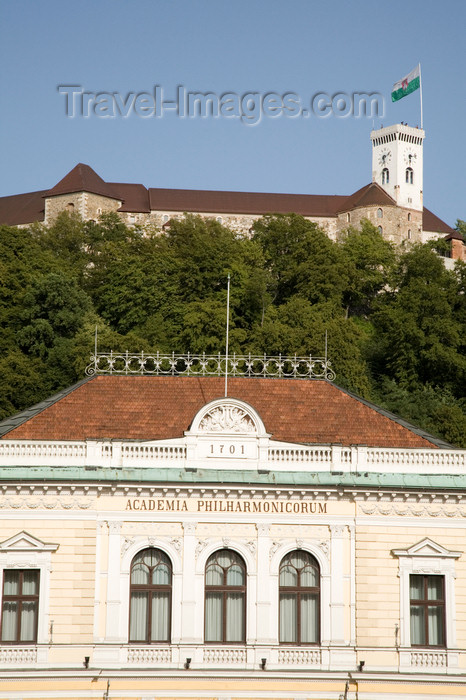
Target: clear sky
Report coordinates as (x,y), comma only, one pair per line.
(275,46)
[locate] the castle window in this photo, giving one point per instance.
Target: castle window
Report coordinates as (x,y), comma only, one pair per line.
(385,176)
(70,206)
(20,605)
(409,176)
(380,229)
(150,597)
(409,234)
(225,598)
(379,213)
(219,219)
(427,610)
(409,216)
(165,218)
(348,218)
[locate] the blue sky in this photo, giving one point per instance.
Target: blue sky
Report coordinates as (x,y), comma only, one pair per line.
(300,46)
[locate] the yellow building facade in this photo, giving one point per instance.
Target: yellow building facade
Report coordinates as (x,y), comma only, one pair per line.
(160,539)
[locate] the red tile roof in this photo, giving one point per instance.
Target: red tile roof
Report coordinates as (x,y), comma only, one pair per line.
(155,408)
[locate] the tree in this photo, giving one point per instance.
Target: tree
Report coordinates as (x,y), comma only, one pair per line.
(300,258)
(369,261)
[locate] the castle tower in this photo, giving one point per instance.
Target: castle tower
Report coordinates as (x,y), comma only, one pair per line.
(397,163)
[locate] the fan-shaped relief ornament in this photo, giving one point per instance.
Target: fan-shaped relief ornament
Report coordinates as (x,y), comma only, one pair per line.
(227,418)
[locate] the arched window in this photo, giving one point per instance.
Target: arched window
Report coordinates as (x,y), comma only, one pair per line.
(70,206)
(150,597)
(409,176)
(380,229)
(379,213)
(409,216)
(299,594)
(225,597)
(385,176)
(409,234)
(348,218)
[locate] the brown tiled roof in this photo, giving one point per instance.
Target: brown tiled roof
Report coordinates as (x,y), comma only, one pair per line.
(155,408)
(369,195)
(22,208)
(432,223)
(135,198)
(83,179)
(454,236)
(210,201)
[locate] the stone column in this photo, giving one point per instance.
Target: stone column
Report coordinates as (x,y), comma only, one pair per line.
(337,581)
(191,632)
(113,582)
(264,617)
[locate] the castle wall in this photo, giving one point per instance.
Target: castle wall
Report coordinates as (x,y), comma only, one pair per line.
(398,225)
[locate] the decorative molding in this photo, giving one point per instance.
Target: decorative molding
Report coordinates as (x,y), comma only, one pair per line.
(276,544)
(263,529)
(251,545)
(126,544)
(189,527)
(202,544)
(114,526)
(24,542)
(427,548)
(227,418)
(176,543)
(417,510)
(338,530)
(42,503)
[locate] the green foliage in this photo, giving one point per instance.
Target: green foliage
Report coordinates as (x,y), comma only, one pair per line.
(395,321)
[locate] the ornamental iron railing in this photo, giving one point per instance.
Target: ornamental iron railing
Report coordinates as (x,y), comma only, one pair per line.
(202,365)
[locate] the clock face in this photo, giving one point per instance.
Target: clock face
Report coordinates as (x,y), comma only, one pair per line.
(385,157)
(410,158)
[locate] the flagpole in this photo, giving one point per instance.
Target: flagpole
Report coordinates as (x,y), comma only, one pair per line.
(420,93)
(226,344)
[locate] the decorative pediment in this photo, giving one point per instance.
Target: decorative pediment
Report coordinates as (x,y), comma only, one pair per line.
(24,542)
(426,548)
(227,417)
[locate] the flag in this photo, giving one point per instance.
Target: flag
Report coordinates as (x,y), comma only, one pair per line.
(407,85)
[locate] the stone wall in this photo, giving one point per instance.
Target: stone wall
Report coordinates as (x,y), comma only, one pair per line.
(398,225)
(87,205)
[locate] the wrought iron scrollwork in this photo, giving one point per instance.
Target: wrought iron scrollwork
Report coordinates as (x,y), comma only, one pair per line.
(202,365)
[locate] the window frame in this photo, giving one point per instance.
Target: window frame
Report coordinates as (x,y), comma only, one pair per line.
(151,588)
(224,589)
(385,176)
(299,590)
(427,557)
(427,603)
(20,598)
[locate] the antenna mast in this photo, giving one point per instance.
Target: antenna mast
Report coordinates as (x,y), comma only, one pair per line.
(226,344)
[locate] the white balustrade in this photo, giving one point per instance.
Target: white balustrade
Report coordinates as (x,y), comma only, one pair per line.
(277,457)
